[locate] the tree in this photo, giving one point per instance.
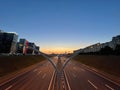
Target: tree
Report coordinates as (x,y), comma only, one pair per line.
(117,50)
(106,50)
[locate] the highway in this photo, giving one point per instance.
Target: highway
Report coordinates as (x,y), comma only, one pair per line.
(82,78)
(59,79)
(74,77)
(36,79)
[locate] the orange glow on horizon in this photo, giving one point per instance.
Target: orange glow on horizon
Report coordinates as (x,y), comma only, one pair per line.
(57,50)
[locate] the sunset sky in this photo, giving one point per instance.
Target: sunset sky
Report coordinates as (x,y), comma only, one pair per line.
(59,26)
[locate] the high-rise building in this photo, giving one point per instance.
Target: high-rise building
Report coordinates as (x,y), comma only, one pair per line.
(31,48)
(22,46)
(25,47)
(37,49)
(8,42)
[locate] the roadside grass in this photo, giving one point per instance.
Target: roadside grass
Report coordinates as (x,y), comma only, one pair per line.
(109,64)
(9,64)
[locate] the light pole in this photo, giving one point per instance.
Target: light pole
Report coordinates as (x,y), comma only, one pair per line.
(58,71)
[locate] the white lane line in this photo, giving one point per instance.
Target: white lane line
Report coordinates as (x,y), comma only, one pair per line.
(35,70)
(9,87)
(53,75)
(82,69)
(100,75)
(95,70)
(43,76)
(63,86)
(74,67)
(69,88)
(109,87)
(13,78)
(92,84)
(38,72)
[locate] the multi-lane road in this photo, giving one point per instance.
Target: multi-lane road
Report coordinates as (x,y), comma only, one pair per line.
(75,77)
(82,78)
(37,78)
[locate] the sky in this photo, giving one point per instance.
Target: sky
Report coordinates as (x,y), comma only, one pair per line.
(59,26)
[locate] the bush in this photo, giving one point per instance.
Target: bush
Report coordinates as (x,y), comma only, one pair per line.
(106,51)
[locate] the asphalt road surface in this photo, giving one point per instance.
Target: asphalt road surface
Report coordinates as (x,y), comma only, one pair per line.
(78,77)
(81,78)
(36,79)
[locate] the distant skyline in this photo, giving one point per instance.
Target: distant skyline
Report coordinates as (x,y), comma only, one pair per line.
(61,25)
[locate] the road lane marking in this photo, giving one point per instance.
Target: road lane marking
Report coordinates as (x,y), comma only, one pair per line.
(100,75)
(13,78)
(74,68)
(109,87)
(43,76)
(63,86)
(69,88)
(82,69)
(18,75)
(92,84)
(38,72)
(51,80)
(95,70)
(9,87)
(35,70)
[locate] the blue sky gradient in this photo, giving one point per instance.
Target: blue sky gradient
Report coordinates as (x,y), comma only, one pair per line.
(61,25)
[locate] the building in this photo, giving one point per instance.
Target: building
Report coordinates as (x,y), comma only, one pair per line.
(79,51)
(97,47)
(115,41)
(25,47)
(37,48)
(112,44)
(8,42)
(92,48)
(31,48)
(22,46)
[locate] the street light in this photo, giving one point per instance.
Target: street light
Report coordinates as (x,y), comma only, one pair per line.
(59,72)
